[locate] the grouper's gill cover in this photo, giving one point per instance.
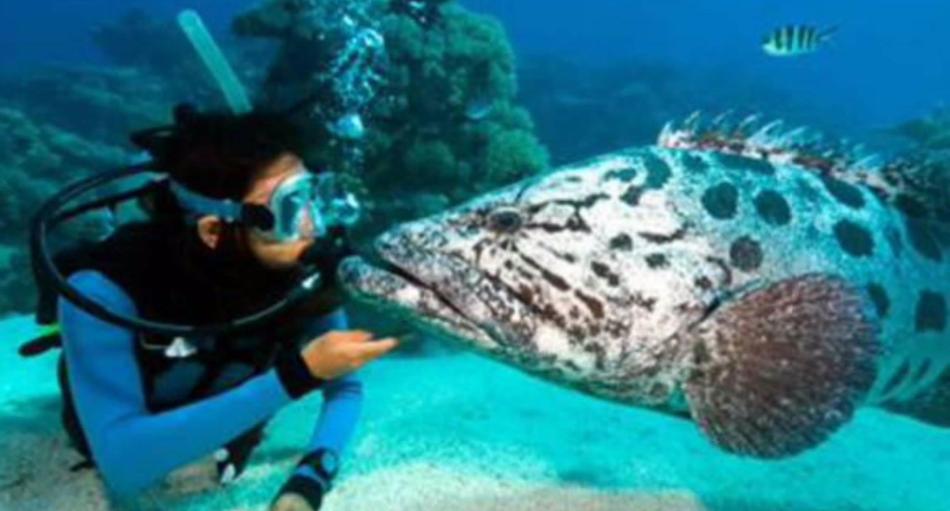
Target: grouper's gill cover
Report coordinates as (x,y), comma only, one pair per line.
(692,281)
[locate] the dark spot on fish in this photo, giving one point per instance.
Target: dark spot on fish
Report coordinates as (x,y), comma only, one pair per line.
(573,179)
(882,303)
(552,278)
(603,271)
(658,172)
(845,193)
(910,206)
(657,261)
(721,201)
(773,208)
(854,239)
(624,175)
(693,163)
(526,295)
(879,193)
(723,267)
(577,335)
(703,283)
(599,354)
(742,163)
(922,371)
(595,306)
(931,312)
(700,354)
(746,254)
(632,196)
(897,379)
(923,240)
(644,302)
(663,239)
(621,242)
(894,239)
(807,192)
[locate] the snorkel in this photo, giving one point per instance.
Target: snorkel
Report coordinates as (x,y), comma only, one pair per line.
(321,196)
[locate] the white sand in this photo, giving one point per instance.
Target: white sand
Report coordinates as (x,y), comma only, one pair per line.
(459,433)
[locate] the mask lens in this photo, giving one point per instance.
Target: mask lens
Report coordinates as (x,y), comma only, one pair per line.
(309,205)
(290,212)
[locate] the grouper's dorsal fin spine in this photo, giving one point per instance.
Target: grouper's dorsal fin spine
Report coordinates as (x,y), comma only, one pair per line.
(772,141)
(914,184)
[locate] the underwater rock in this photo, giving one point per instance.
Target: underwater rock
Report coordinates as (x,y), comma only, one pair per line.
(35,160)
(104,104)
(931,132)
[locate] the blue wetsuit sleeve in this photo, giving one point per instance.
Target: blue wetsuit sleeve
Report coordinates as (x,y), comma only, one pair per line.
(342,399)
(132,447)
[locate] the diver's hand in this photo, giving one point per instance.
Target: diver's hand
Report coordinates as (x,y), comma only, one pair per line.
(341,352)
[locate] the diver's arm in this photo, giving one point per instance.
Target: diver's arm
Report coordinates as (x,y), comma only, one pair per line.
(132,447)
(342,397)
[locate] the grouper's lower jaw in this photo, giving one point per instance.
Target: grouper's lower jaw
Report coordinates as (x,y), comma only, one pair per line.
(395,293)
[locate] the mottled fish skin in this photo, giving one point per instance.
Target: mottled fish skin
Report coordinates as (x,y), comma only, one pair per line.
(587,275)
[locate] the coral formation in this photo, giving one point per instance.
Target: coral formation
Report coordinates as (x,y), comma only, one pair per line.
(441,120)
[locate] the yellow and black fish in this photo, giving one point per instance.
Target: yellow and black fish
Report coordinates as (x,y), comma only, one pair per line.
(796,40)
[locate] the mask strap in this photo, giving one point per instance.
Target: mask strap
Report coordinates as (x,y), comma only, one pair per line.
(198,205)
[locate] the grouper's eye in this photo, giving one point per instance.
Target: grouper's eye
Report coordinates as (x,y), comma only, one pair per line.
(505,221)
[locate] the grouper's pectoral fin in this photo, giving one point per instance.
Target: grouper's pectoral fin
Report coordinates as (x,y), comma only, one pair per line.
(778,370)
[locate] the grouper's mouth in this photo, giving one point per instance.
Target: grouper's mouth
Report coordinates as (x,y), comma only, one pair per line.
(384,283)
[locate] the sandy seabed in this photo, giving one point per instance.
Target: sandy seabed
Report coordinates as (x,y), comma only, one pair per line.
(460,433)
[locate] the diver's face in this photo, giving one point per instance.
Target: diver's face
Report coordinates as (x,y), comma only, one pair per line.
(273,254)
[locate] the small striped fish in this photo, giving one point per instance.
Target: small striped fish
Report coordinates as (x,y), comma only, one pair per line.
(796,40)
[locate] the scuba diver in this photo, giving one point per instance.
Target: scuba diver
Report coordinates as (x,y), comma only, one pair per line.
(183,334)
(185,331)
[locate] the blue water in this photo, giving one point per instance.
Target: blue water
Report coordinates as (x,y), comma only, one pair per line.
(890,62)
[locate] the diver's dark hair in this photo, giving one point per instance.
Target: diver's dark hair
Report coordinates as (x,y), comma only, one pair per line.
(217,154)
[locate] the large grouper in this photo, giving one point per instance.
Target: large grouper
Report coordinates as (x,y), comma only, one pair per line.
(757,280)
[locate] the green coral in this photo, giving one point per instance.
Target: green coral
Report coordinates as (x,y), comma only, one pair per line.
(444,125)
(435,74)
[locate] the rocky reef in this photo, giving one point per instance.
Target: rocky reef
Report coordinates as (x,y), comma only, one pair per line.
(35,159)
(930,132)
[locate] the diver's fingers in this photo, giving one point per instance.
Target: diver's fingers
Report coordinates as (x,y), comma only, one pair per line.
(372,350)
(354,336)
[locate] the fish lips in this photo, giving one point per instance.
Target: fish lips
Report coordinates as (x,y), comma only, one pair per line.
(387,285)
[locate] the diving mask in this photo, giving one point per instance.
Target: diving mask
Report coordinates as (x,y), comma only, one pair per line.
(308,205)
(303,206)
